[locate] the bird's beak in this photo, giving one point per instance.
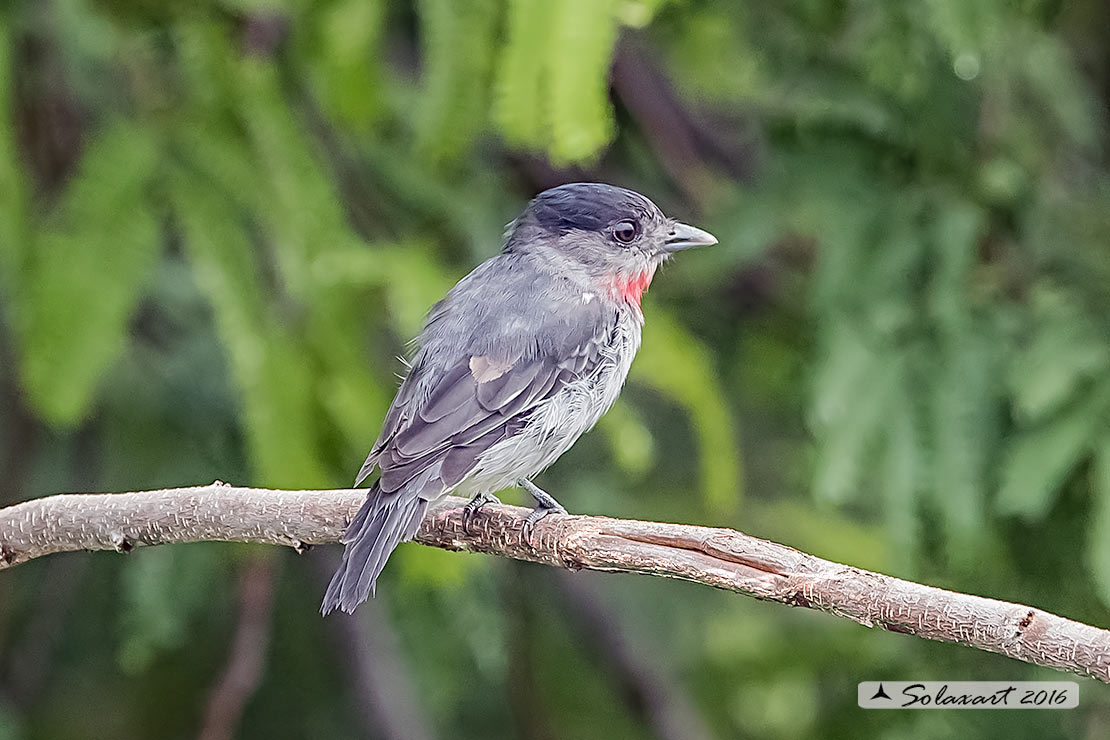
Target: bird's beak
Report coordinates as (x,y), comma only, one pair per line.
(684,236)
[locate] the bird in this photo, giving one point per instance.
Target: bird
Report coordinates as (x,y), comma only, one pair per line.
(520,358)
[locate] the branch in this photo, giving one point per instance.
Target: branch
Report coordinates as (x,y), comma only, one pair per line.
(378,680)
(247,658)
(660,702)
(722,558)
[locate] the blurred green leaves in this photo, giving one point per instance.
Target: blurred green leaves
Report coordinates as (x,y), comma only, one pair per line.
(1061,403)
(520,102)
(88,271)
(163,592)
(1058,358)
(548,81)
(677,366)
(583,34)
(551,92)
(1043,456)
(457,41)
(266,361)
(13,235)
(343,55)
(1098,536)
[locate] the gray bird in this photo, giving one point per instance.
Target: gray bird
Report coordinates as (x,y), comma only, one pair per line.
(523,355)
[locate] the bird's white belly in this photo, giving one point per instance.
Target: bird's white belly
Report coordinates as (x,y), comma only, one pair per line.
(558,422)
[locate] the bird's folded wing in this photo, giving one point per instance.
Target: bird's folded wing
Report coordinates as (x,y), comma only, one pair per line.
(474,404)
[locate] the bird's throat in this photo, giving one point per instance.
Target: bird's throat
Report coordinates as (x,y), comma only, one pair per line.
(631,288)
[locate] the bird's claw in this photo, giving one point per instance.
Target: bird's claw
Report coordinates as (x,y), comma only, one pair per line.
(545,504)
(474,505)
(528,526)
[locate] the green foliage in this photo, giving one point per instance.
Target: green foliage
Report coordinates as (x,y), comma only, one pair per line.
(551,91)
(1043,456)
(851,393)
(633,446)
(678,366)
(457,40)
(264,356)
(520,90)
(11,726)
(915,325)
(88,270)
(901,473)
(342,57)
(583,34)
(162,593)
(12,195)
(966,390)
(1058,360)
(1098,536)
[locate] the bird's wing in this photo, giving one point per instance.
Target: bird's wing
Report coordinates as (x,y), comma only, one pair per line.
(444,417)
(475,403)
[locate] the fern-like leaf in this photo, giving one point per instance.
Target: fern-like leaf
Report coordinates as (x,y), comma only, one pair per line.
(521,83)
(676,365)
(583,35)
(1040,459)
(89,270)
(269,366)
(457,40)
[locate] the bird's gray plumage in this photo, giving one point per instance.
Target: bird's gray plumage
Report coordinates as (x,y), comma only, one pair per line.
(520,358)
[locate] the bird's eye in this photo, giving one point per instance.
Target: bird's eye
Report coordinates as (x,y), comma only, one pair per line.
(625,231)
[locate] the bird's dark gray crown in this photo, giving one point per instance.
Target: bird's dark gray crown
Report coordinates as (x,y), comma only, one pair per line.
(589,206)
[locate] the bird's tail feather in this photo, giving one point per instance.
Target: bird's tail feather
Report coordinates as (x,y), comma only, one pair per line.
(380,525)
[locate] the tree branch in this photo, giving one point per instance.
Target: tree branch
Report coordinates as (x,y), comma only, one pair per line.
(722,558)
(659,701)
(247,658)
(378,680)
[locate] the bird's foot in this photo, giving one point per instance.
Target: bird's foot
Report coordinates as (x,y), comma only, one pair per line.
(528,527)
(545,504)
(474,505)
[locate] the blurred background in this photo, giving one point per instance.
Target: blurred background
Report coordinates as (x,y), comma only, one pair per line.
(221,221)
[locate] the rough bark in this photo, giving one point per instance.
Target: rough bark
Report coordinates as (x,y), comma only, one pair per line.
(722,558)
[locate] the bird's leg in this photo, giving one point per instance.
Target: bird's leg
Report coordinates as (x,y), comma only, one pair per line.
(545,504)
(474,504)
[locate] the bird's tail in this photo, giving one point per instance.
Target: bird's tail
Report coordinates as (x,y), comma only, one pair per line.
(381,523)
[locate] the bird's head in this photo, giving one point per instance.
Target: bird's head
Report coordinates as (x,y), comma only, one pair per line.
(609,235)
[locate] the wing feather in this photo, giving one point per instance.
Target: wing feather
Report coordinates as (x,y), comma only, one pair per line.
(461,417)
(449,395)
(499,392)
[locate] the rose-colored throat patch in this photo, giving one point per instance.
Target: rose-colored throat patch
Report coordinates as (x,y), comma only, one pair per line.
(631,288)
